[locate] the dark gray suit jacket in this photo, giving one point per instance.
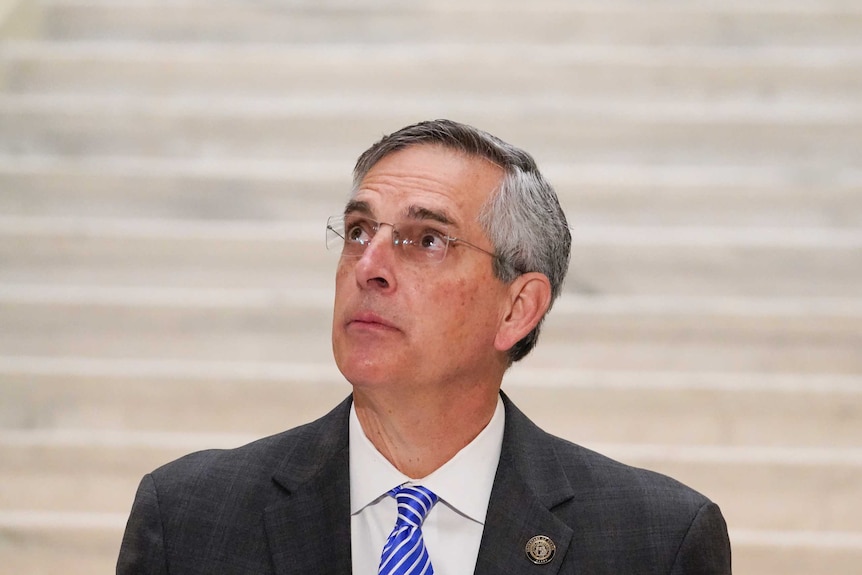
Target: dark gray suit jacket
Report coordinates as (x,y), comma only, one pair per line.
(281,506)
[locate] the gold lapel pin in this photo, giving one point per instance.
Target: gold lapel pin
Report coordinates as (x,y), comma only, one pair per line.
(540,549)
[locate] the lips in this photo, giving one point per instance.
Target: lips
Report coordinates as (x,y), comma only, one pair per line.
(369,320)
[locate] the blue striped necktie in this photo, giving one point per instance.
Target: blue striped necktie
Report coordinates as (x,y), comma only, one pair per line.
(404,552)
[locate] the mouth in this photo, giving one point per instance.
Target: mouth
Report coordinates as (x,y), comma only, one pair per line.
(368,320)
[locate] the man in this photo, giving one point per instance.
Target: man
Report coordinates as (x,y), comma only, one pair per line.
(453,247)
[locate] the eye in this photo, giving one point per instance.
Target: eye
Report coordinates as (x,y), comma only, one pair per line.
(431,240)
(358,230)
(423,238)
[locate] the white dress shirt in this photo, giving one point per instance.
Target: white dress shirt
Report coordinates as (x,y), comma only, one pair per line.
(453,528)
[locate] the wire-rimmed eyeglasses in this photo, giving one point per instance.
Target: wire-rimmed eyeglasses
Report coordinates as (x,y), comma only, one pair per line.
(420,241)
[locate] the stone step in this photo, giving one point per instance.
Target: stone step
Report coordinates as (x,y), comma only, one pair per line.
(829,345)
(173,163)
(683,264)
(100,474)
(204,262)
(628,21)
(605,195)
(245,191)
(779,557)
(294,333)
(765,73)
(316,129)
(760,495)
(68,550)
(49,395)
(721,409)
(85,551)
(288,333)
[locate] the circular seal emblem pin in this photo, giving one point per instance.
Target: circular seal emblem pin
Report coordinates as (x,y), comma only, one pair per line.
(540,549)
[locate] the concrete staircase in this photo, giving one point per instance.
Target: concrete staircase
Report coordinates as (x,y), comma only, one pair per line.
(166,168)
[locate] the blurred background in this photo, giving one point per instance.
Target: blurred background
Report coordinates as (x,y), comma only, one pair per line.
(167,167)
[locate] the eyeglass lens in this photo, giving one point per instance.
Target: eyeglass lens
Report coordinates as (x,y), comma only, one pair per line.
(419,241)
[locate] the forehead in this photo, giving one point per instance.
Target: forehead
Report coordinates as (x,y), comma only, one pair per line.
(430,177)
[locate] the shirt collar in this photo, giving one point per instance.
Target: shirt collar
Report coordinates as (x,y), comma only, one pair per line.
(372,476)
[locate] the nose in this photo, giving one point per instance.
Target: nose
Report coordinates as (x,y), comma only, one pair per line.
(375,268)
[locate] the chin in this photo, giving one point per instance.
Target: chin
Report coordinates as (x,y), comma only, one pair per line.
(362,372)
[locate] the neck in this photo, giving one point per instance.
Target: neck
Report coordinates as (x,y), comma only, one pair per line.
(417,435)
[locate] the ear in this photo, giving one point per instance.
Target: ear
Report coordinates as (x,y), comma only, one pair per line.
(529,299)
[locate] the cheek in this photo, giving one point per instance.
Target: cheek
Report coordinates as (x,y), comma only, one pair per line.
(453,295)
(467,308)
(343,275)
(341,270)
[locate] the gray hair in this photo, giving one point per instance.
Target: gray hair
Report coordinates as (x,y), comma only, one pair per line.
(523,218)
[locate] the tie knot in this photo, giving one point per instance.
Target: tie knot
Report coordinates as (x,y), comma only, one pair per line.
(414,503)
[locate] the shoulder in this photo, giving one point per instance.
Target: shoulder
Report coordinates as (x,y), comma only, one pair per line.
(617,481)
(541,456)
(204,512)
(254,463)
(596,485)
(636,519)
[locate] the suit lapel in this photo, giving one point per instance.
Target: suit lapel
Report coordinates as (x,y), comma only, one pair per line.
(308,527)
(529,483)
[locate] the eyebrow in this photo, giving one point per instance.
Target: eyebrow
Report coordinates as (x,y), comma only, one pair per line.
(358,206)
(420,213)
(413,212)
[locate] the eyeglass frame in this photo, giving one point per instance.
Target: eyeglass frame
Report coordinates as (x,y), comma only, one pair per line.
(334,223)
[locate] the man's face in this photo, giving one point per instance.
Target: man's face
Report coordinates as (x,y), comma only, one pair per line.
(421,326)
